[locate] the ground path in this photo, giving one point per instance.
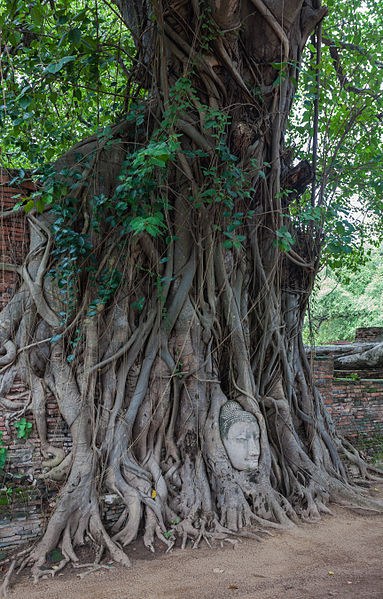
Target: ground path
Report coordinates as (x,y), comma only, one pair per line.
(337,557)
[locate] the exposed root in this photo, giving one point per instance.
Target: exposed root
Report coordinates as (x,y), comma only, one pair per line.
(57,453)
(55,570)
(92,568)
(4,587)
(233,542)
(59,472)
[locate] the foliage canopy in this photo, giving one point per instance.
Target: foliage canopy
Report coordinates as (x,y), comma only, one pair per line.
(68,71)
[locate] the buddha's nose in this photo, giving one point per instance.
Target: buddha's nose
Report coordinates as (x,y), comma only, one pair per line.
(252,447)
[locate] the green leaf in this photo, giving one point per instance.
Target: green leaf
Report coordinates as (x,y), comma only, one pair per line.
(55,67)
(278,65)
(37,15)
(227,244)
(23,428)
(62,19)
(139,304)
(158,161)
(54,556)
(29,205)
(137,224)
(56,338)
(40,205)
(74,35)
(25,101)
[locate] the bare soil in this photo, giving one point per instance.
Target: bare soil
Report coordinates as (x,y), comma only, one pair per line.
(340,556)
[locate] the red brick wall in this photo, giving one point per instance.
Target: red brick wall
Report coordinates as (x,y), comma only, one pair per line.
(14,240)
(24,456)
(369,334)
(14,236)
(355,404)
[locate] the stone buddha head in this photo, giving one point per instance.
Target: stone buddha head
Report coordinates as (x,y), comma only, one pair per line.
(240,436)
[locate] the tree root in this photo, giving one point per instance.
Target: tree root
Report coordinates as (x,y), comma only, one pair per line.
(92,568)
(55,570)
(59,472)
(4,587)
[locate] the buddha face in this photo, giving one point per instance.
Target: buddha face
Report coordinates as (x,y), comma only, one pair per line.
(242,444)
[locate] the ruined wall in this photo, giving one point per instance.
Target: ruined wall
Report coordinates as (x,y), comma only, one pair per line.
(26,500)
(353,398)
(20,508)
(366,334)
(14,236)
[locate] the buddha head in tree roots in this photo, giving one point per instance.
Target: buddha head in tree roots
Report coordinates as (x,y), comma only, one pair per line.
(240,436)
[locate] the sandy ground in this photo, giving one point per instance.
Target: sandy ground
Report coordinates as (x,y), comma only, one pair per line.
(337,557)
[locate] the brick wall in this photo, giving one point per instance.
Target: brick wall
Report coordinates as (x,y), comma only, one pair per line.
(353,398)
(25,511)
(369,334)
(14,236)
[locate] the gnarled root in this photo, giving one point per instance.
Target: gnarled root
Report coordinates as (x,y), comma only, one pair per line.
(59,465)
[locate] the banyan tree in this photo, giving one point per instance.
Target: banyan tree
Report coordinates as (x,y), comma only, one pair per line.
(163,295)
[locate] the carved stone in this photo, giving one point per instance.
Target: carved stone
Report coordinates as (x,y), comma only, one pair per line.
(240,436)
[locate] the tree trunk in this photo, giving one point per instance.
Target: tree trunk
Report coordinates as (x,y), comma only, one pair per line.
(152,333)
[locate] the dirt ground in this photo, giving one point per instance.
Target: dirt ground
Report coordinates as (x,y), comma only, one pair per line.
(337,557)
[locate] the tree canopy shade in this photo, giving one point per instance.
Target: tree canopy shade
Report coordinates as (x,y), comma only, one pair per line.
(173,252)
